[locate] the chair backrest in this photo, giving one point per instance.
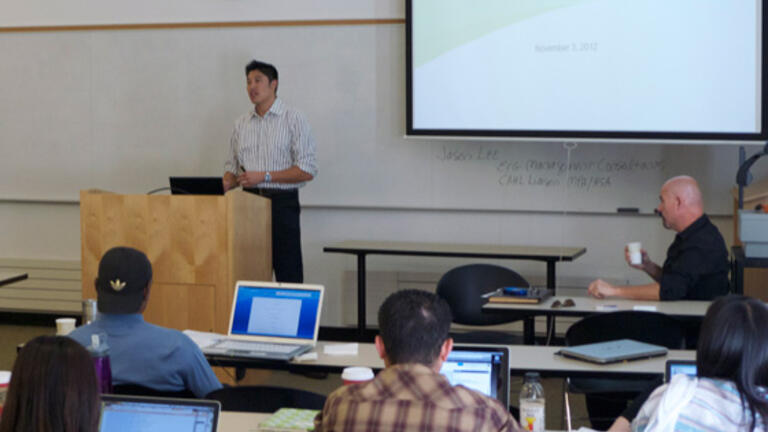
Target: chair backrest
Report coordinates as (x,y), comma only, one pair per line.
(650,327)
(265,398)
(462,287)
(140,390)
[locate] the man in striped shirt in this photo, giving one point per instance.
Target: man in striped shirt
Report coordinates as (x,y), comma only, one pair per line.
(272,154)
(411,394)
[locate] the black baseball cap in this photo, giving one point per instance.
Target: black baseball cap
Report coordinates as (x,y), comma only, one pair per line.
(124,272)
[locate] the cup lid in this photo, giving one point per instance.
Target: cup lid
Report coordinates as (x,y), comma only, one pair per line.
(357,373)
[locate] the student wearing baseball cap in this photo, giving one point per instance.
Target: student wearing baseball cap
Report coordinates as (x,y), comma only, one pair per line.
(144,354)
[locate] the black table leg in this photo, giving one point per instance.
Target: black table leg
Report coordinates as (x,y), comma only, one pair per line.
(529,325)
(738,276)
(551,276)
(550,285)
(361,296)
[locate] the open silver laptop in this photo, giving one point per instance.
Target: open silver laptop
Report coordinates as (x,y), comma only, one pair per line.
(271,320)
(121,413)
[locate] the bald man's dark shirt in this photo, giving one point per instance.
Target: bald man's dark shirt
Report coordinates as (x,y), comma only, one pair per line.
(696,267)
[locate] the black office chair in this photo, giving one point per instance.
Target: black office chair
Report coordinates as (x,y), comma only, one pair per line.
(265,398)
(607,398)
(140,390)
(463,287)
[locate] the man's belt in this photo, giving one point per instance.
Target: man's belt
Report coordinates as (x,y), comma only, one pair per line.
(272,192)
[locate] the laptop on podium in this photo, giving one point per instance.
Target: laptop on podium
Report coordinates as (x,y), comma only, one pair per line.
(196,185)
(271,320)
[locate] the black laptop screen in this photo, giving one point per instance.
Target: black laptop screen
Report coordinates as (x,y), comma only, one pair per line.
(485,370)
(196,186)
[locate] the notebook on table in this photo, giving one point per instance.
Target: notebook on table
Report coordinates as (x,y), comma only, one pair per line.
(520,295)
(481,368)
(674,367)
(613,351)
(196,185)
(155,414)
(271,320)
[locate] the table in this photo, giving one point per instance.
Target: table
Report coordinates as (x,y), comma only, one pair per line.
(523,358)
(236,421)
(585,306)
(11,277)
(361,249)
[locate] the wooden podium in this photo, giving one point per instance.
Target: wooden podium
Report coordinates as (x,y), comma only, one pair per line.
(199,245)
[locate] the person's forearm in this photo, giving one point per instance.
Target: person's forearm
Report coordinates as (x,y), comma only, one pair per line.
(293,174)
(639,292)
(654,271)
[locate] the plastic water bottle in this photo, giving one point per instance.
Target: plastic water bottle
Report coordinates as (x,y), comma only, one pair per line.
(100,355)
(532,404)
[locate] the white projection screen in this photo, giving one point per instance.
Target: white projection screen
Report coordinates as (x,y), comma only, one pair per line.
(636,70)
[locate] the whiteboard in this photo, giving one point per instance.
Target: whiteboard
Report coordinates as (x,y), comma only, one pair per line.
(123,110)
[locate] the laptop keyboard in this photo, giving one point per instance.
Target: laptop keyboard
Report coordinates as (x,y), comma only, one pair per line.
(256,346)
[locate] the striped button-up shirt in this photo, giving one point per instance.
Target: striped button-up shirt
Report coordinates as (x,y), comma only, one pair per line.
(277,141)
(695,405)
(412,397)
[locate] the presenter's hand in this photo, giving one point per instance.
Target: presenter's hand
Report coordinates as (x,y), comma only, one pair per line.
(644,264)
(601,289)
(251,179)
(228,181)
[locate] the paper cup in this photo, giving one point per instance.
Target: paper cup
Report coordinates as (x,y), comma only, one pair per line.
(5,379)
(635,253)
(64,326)
(356,375)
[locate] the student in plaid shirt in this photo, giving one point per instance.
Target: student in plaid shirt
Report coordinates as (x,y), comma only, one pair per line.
(410,394)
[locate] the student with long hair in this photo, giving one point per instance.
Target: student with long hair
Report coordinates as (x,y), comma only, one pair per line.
(729,391)
(53,388)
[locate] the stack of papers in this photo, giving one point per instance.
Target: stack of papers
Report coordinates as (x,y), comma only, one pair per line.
(290,420)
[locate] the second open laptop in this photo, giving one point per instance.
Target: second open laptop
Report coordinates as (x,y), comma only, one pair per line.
(271,320)
(674,367)
(483,368)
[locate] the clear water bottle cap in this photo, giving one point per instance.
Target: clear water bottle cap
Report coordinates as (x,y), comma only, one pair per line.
(99,344)
(531,376)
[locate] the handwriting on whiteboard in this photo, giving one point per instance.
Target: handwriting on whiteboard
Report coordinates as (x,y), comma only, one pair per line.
(583,174)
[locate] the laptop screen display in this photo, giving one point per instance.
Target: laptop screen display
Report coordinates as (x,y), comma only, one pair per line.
(275,312)
(482,371)
(153,415)
(675,367)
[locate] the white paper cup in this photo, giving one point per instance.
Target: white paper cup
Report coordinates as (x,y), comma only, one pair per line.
(635,253)
(5,379)
(356,375)
(64,326)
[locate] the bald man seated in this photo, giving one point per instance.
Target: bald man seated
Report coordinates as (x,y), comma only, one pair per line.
(696,267)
